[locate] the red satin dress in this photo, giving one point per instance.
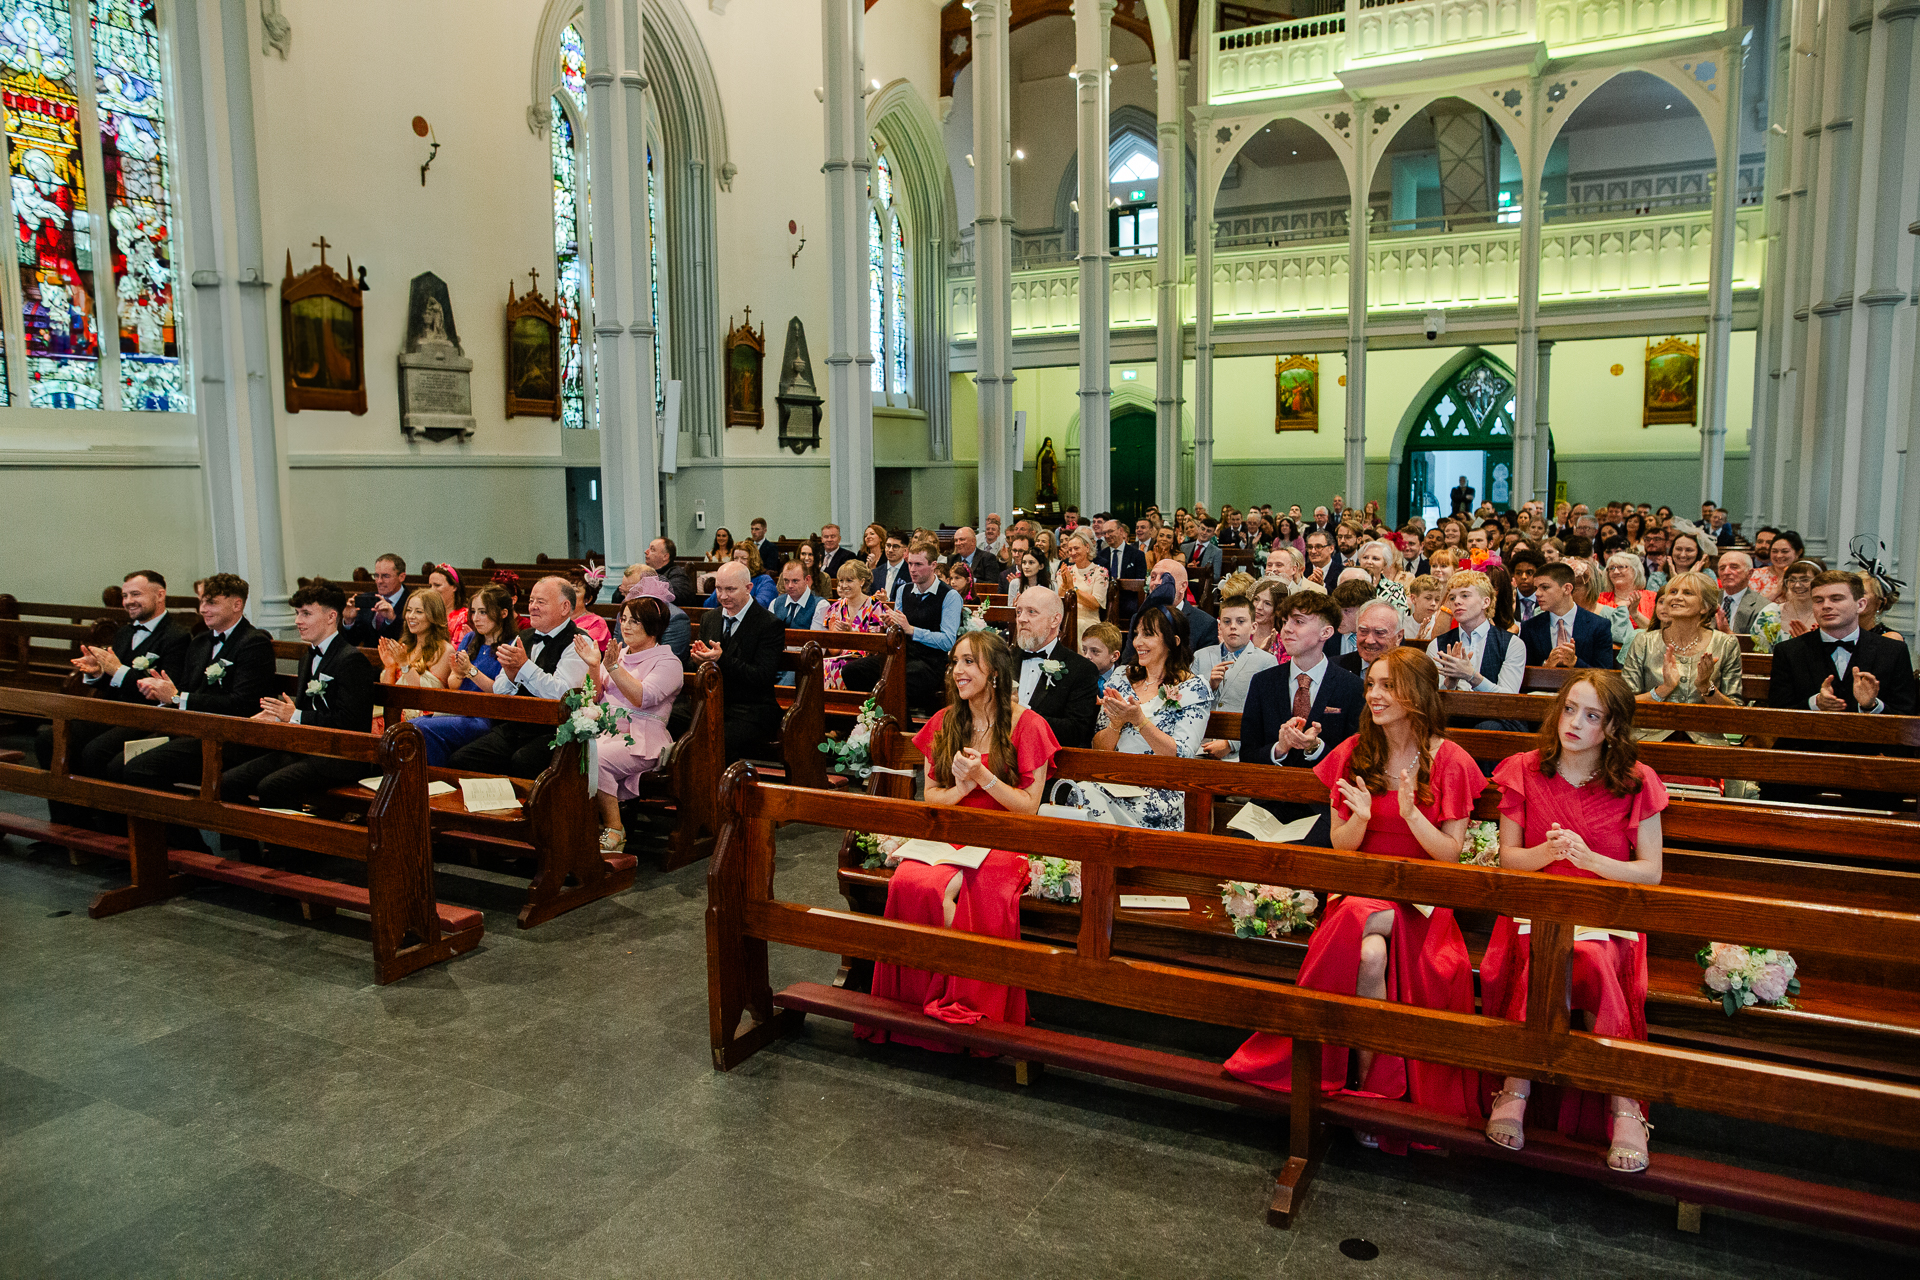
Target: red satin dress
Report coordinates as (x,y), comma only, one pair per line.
(989,904)
(1427,961)
(1609,975)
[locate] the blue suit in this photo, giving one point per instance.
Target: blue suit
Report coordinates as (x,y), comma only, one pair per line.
(1336,709)
(1592,639)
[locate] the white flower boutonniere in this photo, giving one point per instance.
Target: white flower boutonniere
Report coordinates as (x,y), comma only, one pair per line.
(217,671)
(145,662)
(1051,669)
(317,688)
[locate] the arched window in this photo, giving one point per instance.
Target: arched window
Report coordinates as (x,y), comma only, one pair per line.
(888,272)
(573,234)
(1133,172)
(87,150)
(1465,429)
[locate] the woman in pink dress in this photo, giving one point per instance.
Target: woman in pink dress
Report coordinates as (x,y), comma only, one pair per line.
(1578,805)
(984,751)
(639,678)
(1399,789)
(444,580)
(855,610)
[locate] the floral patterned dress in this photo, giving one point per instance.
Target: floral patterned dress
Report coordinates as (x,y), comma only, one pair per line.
(1770,628)
(1180,712)
(870,617)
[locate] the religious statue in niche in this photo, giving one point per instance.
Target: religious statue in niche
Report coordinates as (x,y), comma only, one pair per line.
(746,379)
(1047,496)
(436,377)
(1673,374)
(1296,393)
(533,353)
(798,400)
(322,337)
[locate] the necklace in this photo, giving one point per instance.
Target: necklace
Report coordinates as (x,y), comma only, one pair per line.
(1690,648)
(1577,783)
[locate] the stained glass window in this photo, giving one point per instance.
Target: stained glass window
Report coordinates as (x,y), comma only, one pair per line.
(569,266)
(889,325)
(132,112)
(655,227)
(573,66)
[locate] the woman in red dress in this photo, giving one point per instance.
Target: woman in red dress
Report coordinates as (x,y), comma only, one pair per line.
(1579,805)
(984,751)
(1399,789)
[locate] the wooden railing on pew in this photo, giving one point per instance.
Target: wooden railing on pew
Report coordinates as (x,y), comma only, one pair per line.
(409,929)
(1872,1015)
(746,1014)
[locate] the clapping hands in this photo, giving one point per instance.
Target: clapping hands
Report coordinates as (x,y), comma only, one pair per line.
(1571,846)
(1359,800)
(1454,663)
(970,768)
(1297,735)
(589,652)
(512,657)
(1121,708)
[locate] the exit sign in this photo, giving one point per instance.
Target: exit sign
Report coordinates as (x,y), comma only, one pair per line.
(1136,195)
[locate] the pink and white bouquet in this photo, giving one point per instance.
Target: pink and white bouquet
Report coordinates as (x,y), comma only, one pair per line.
(1740,976)
(1481,847)
(878,851)
(1053,879)
(1267,910)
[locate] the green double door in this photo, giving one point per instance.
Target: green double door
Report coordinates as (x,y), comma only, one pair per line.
(1130,470)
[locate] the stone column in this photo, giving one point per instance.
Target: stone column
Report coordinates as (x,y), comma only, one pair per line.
(1542,480)
(1763,435)
(1726,202)
(1358,213)
(1527,362)
(235,374)
(993,253)
(849,388)
(623,278)
(1169,268)
(1092,31)
(1207,179)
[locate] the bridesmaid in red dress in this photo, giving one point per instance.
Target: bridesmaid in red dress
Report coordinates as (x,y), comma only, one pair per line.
(1579,805)
(1399,789)
(984,751)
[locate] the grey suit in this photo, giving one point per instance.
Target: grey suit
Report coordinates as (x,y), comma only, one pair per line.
(1232,693)
(1751,603)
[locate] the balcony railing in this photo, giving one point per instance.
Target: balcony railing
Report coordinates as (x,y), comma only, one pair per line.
(1309,54)
(1600,260)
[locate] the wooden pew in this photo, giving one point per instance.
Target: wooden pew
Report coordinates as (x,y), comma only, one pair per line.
(410,930)
(746,1014)
(804,726)
(38,655)
(688,776)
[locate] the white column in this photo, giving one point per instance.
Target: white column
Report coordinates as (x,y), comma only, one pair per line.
(1763,436)
(849,388)
(1207,178)
(1168,269)
(623,278)
(1358,214)
(1092,29)
(1526,358)
(236,376)
(1726,201)
(1542,476)
(993,253)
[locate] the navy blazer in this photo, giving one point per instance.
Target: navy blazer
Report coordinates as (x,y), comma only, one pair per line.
(1592,639)
(1336,708)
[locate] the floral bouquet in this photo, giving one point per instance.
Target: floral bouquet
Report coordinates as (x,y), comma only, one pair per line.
(975,619)
(1739,976)
(1267,910)
(587,719)
(879,851)
(1481,848)
(853,756)
(1053,879)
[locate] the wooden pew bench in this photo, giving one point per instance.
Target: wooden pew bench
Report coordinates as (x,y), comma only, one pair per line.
(409,929)
(745,915)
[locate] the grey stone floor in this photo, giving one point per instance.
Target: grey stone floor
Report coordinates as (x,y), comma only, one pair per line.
(212,1087)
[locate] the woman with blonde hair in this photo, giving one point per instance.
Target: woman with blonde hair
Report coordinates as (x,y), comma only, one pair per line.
(1083,584)
(1627,589)
(423,655)
(1680,658)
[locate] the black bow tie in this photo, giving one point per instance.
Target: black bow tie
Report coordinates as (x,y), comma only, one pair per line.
(1837,644)
(1035,656)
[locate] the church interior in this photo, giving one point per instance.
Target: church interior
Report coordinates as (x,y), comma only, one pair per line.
(585,498)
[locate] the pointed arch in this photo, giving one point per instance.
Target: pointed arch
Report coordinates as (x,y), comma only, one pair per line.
(1125,123)
(898,118)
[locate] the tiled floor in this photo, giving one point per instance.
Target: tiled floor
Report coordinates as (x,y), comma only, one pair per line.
(212,1087)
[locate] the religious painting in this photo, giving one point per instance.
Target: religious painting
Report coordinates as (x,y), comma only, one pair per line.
(746,375)
(533,354)
(1673,376)
(322,338)
(1296,391)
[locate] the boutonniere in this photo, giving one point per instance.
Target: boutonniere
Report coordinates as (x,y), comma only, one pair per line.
(145,662)
(317,689)
(1051,669)
(217,671)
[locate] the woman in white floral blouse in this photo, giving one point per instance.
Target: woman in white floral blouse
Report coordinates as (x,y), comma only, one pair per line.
(1161,709)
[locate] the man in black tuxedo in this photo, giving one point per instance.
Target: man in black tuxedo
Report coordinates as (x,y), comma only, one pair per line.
(1560,633)
(228,670)
(1305,707)
(542,662)
(1838,668)
(986,568)
(832,554)
(150,642)
(373,616)
(335,691)
(750,645)
(1461,497)
(660,558)
(1068,699)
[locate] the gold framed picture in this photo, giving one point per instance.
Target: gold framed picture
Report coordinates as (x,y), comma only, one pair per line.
(1673,380)
(1296,393)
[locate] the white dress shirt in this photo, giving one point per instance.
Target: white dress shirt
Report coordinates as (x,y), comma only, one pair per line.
(1030,670)
(1315,675)
(141,631)
(1248,662)
(317,654)
(1513,670)
(569,673)
(1842,660)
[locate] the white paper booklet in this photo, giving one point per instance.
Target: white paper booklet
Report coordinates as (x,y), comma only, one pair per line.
(1263,826)
(487,795)
(936,853)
